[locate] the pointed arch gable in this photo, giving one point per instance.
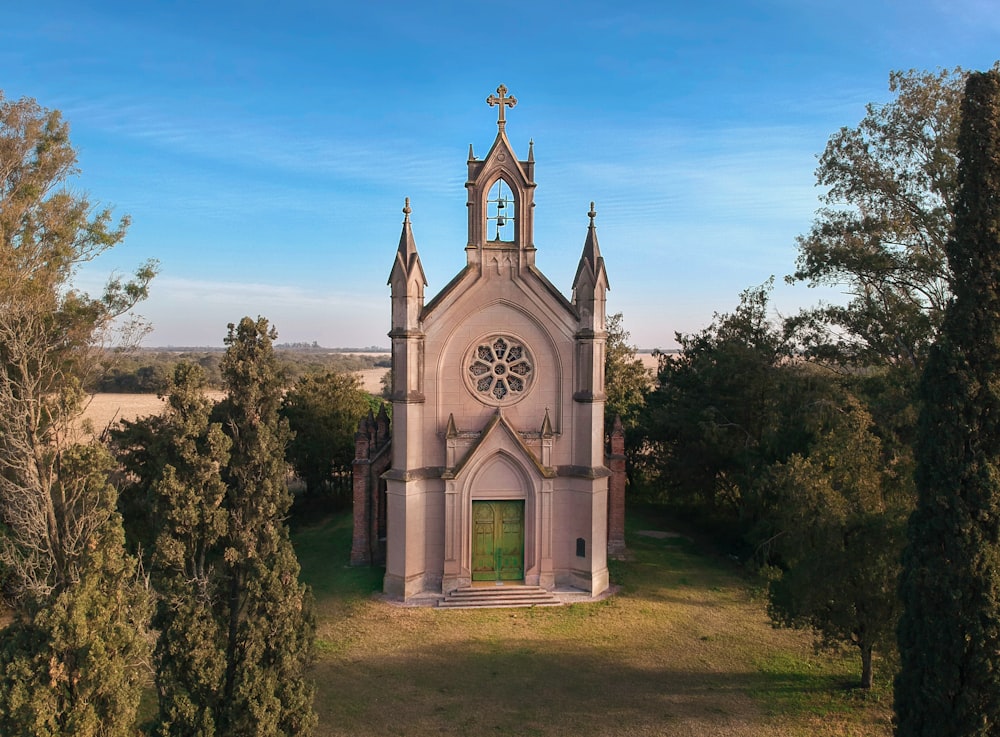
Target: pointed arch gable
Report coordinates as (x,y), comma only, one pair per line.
(500,475)
(499,468)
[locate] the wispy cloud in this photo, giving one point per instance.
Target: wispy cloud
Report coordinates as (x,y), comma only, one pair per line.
(256,143)
(191,311)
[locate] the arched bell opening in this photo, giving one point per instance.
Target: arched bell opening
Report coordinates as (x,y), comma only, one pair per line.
(501,212)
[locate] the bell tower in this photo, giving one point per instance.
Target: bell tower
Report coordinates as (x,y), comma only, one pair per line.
(501,194)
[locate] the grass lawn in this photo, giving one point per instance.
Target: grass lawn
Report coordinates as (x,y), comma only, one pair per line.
(684,648)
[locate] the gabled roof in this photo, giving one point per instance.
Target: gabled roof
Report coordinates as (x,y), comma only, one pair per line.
(501,156)
(498,424)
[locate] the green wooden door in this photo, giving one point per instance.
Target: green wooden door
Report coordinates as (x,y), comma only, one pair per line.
(498,541)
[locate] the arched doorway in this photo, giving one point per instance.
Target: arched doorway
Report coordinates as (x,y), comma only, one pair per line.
(498,540)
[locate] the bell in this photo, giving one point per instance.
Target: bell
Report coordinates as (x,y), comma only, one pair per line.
(501,203)
(501,221)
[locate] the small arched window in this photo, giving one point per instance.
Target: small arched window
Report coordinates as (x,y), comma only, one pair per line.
(501,217)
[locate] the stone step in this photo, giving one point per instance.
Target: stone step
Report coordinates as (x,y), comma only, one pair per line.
(498,597)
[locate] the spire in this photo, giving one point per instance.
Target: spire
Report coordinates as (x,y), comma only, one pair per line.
(472,156)
(531,150)
(407,262)
(547,425)
(591,262)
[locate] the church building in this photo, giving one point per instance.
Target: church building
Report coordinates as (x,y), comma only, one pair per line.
(494,471)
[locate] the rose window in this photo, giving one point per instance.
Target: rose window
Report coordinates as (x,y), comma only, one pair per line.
(500,369)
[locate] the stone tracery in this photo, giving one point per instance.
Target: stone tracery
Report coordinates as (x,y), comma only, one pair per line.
(500,369)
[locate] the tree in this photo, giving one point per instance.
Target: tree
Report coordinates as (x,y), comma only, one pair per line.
(236,625)
(722,410)
(268,617)
(142,448)
(890,203)
(323,412)
(949,634)
(626,379)
(841,516)
(74,661)
(187,562)
(61,545)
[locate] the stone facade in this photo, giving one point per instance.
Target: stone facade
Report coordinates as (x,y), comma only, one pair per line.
(497,444)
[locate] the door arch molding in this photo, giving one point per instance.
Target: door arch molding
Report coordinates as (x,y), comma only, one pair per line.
(499,476)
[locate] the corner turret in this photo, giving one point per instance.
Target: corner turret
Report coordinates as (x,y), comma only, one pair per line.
(407,279)
(407,282)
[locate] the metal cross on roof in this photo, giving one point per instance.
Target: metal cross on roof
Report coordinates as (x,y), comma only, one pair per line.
(502,101)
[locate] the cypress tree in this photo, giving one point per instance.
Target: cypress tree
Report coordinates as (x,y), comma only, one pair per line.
(269,619)
(949,634)
(237,626)
(187,565)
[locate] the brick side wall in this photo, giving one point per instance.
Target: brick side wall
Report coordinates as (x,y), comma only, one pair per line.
(616,491)
(372,458)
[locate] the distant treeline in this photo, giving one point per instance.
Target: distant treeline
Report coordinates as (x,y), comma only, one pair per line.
(146,370)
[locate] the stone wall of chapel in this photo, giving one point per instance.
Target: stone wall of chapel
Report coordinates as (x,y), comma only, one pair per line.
(434,535)
(447,348)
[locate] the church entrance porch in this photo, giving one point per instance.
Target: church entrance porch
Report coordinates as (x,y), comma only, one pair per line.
(498,540)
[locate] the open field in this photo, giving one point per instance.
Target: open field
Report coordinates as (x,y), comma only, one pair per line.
(649,361)
(683,648)
(106,408)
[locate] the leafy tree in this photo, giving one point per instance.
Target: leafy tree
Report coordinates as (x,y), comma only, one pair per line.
(48,333)
(626,379)
(949,634)
(268,620)
(71,662)
(61,544)
(890,203)
(323,412)
(722,412)
(841,513)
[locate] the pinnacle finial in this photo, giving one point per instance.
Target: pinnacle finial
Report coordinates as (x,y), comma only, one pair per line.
(502,101)
(406,211)
(592,214)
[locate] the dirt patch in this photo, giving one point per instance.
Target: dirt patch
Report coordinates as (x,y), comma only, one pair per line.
(662,535)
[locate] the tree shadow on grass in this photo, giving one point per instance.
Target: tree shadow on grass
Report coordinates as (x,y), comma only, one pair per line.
(593,669)
(488,689)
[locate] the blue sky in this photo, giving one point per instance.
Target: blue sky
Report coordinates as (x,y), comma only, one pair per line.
(264,150)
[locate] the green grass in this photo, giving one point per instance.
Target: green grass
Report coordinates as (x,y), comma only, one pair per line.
(683,648)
